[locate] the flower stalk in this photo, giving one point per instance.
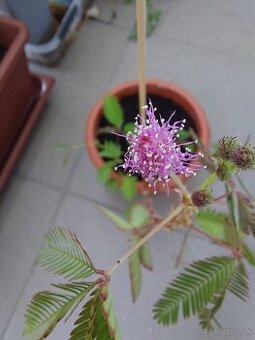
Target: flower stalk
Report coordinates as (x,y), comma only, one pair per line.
(147,237)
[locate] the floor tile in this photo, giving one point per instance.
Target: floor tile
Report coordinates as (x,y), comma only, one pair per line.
(223,25)
(223,85)
(104,243)
(25,213)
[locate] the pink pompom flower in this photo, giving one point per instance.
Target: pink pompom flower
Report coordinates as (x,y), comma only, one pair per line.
(154,153)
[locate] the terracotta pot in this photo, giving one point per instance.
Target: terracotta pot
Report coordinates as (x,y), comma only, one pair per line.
(44,85)
(154,87)
(18,90)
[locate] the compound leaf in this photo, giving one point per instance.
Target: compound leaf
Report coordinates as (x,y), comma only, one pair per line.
(47,308)
(63,254)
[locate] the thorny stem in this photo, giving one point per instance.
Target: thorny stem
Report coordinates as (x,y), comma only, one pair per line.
(131,251)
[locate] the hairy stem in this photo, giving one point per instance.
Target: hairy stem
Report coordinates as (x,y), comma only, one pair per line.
(180,186)
(209,180)
(214,239)
(131,251)
(182,248)
(219,198)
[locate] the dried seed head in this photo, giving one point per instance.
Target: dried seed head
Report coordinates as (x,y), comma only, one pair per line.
(223,171)
(226,146)
(201,198)
(244,157)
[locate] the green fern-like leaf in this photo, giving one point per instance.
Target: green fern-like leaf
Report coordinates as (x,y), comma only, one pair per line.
(247,215)
(213,222)
(64,255)
(194,288)
(218,225)
(145,256)
(119,221)
(135,272)
(97,320)
(233,208)
(237,284)
(138,215)
(47,308)
(207,314)
(248,253)
(109,149)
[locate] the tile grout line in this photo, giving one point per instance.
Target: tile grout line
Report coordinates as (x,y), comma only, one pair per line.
(203,47)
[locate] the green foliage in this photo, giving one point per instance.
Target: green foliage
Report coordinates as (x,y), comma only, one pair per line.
(135,272)
(128,186)
(237,284)
(129,127)
(109,149)
(139,215)
(113,111)
(246,215)
(145,256)
(153,18)
(184,135)
(104,173)
(195,288)
(213,222)
(207,314)
(248,253)
(142,257)
(97,319)
(47,308)
(67,150)
(117,220)
(62,254)
(112,185)
(233,207)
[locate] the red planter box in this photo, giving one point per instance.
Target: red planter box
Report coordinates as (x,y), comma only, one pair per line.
(22,95)
(17,87)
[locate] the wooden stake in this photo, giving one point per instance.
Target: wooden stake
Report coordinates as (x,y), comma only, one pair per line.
(141,12)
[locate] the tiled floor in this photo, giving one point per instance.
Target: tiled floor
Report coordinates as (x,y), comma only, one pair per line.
(206,47)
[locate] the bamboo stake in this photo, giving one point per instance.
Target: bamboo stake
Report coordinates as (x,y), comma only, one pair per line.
(141,12)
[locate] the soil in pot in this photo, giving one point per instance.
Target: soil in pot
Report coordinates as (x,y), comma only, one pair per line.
(165,107)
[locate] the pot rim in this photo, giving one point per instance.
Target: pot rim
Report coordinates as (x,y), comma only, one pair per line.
(154,86)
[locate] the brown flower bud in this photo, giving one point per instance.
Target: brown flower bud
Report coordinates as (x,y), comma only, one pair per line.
(244,157)
(202,197)
(226,146)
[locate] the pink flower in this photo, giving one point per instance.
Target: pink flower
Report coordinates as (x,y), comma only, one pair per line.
(154,153)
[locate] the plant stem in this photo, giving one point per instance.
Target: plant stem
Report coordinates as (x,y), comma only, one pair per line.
(214,239)
(131,251)
(217,199)
(182,247)
(209,180)
(180,186)
(141,11)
